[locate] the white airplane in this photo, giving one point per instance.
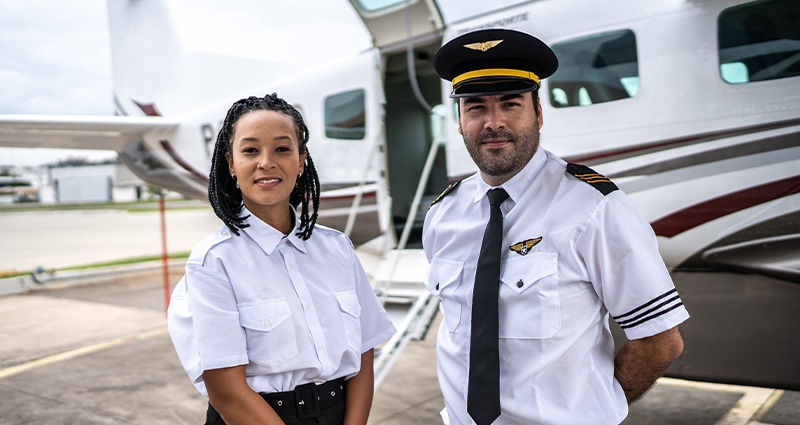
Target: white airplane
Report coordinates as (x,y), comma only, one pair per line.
(692,107)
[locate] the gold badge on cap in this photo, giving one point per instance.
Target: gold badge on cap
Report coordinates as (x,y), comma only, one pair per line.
(483,45)
(524,247)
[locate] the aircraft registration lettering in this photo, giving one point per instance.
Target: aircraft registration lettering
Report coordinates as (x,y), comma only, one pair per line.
(502,22)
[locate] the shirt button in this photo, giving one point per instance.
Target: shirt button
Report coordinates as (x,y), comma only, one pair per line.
(320,346)
(267,323)
(519,284)
(291,266)
(307,305)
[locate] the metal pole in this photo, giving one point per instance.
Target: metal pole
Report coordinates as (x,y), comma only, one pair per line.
(164,254)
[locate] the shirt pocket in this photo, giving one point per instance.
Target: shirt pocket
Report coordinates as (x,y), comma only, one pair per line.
(531,307)
(271,338)
(350,310)
(444,280)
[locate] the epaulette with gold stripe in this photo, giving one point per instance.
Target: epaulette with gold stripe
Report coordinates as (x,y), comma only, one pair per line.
(598,181)
(445,192)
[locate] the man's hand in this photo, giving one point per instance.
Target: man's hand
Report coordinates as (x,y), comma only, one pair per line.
(640,362)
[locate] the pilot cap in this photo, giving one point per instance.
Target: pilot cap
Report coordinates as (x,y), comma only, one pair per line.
(494,61)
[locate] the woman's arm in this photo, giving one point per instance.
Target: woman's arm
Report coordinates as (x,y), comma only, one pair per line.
(235,401)
(358,392)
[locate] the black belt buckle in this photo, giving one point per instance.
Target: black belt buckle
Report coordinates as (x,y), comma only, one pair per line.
(307,398)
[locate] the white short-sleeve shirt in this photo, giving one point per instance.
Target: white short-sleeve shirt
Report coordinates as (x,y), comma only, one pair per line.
(292,311)
(571,255)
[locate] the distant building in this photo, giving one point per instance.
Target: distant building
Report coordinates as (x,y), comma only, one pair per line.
(94,182)
(74,180)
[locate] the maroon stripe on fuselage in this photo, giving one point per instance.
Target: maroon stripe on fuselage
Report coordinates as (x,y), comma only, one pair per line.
(149,109)
(180,161)
(656,146)
(325,197)
(695,215)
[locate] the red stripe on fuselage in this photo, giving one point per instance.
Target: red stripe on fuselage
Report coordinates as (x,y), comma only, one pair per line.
(149,109)
(180,161)
(655,146)
(712,209)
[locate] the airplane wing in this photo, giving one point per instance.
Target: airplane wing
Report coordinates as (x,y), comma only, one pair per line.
(79,131)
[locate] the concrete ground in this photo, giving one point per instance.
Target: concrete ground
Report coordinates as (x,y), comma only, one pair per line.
(98,352)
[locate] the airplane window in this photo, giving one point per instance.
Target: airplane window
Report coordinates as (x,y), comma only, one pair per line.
(631,85)
(345,115)
(558,97)
(734,72)
(437,124)
(759,41)
(595,69)
(583,97)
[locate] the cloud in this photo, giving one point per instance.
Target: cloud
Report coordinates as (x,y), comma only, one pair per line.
(52,61)
(55,59)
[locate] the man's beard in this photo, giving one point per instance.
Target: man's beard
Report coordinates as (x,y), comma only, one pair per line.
(501,162)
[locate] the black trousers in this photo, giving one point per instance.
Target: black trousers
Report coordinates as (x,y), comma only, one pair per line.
(308,404)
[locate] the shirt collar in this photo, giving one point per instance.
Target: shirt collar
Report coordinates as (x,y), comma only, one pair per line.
(266,236)
(517,185)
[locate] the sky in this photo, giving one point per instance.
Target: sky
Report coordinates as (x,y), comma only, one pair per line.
(55,60)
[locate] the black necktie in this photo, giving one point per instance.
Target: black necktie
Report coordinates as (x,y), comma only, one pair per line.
(483,394)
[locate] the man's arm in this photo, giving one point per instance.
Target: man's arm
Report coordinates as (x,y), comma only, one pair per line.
(640,362)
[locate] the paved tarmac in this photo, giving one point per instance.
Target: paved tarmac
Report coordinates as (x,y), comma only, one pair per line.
(98,353)
(57,239)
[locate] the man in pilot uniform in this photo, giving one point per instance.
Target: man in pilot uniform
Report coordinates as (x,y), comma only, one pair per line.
(531,255)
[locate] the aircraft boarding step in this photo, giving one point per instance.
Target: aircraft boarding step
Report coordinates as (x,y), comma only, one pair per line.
(415,325)
(400,279)
(401,275)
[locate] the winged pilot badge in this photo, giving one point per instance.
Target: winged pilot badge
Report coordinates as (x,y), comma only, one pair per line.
(525,246)
(483,45)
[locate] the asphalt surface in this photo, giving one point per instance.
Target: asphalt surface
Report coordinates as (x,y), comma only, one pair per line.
(96,351)
(100,354)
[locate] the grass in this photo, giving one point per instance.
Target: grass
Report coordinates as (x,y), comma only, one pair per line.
(122,262)
(136,206)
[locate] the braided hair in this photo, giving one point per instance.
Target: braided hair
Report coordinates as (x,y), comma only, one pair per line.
(225,196)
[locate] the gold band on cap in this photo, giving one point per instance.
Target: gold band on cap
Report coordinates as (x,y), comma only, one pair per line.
(496,72)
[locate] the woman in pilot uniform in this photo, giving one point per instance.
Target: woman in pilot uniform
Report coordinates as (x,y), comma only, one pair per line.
(271,323)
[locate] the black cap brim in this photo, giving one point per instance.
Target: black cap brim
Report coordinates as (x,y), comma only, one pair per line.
(494,61)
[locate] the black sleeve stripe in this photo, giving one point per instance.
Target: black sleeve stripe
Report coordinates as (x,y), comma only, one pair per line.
(656,308)
(645,305)
(646,319)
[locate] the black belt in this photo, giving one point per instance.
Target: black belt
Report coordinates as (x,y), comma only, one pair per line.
(306,400)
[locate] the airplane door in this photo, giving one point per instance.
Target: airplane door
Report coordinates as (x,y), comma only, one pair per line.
(407,33)
(344,106)
(392,22)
